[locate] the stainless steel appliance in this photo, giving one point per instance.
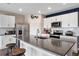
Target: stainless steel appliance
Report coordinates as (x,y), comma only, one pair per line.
(22,32)
(69,33)
(56,24)
(56,34)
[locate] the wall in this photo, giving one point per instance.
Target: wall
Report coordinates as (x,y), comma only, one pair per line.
(35,24)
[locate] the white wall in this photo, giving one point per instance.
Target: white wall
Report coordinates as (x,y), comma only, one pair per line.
(35,24)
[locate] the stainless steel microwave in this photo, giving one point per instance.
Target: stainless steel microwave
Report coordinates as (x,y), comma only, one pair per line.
(56,24)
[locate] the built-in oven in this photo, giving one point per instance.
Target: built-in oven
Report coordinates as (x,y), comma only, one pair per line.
(56,24)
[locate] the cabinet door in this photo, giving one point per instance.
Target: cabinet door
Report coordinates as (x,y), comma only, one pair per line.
(0,21)
(12,40)
(53,19)
(47,23)
(29,50)
(73,20)
(11,21)
(7,21)
(70,20)
(56,19)
(33,40)
(5,40)
(65,20)
(1,41)
(3,21)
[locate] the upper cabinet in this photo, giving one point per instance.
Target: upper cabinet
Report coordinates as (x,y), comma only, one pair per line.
(56,19)
(67,20)
(70,20)
(7,21)
(47,23)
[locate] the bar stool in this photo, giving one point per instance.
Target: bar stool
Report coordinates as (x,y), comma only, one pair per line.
(18,52)
(10,46)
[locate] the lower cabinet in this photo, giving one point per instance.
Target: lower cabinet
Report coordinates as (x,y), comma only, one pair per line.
(33,40)
(29,50)
(6,40)
(12,40)
(1,41)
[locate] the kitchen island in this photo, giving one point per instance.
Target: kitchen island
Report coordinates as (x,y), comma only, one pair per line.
(6,39)
(55,47)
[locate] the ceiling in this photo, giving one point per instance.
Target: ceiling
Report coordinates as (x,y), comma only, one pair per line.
(33,8)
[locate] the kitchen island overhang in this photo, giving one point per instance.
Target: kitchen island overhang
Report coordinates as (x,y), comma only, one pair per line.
(60,50)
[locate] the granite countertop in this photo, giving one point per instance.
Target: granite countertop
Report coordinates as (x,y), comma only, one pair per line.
(61,47)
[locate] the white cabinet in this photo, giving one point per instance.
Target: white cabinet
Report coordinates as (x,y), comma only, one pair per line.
(6,40)
(29,50)
(7,21)
(67,20)
(56,18)
(12,39)
(1,41)
(33,40)
(70,20)
(47,23)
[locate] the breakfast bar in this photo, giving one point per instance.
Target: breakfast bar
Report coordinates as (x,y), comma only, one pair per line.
(51,46)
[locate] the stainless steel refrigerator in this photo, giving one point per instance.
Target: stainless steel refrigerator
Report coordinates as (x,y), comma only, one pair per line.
(22,33)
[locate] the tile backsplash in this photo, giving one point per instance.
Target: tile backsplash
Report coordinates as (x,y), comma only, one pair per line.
(75,30)
(4,30)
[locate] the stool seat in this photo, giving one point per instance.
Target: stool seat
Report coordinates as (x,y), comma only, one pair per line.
(11,45)
(18,51)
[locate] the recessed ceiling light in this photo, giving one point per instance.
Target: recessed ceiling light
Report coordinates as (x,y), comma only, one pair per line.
(20,9)
(39,11)
(49,8)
